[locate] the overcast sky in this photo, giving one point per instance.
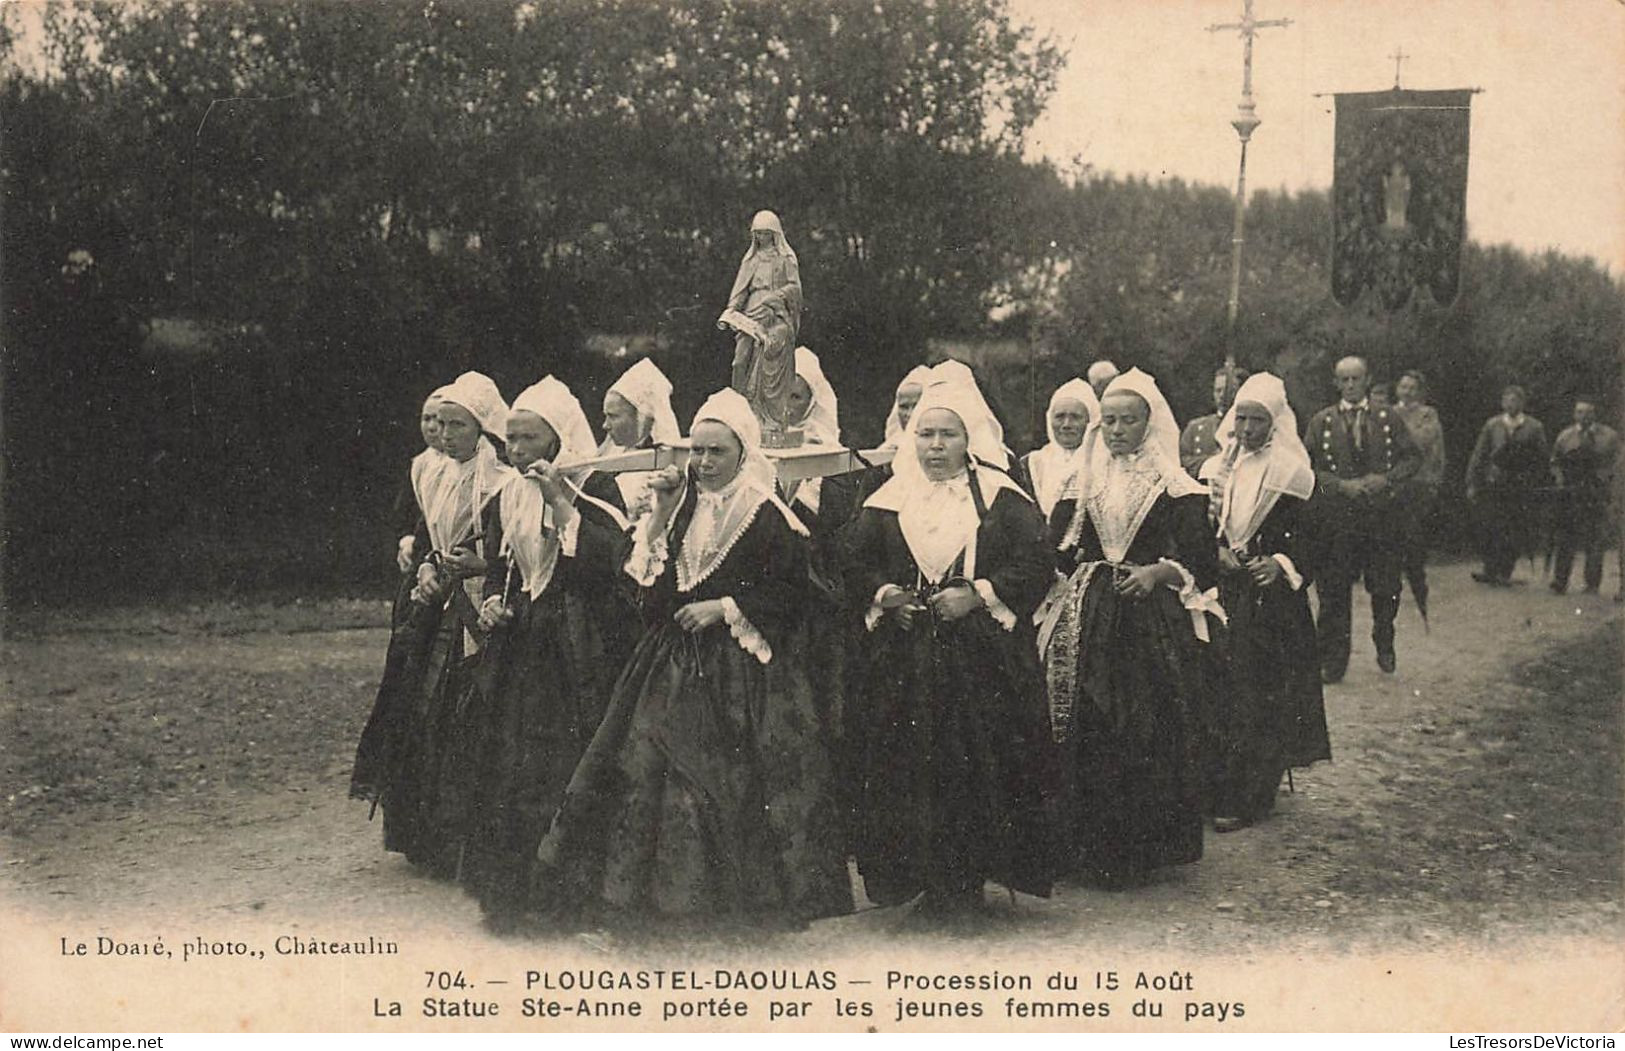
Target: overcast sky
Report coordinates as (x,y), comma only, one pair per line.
(1148,91)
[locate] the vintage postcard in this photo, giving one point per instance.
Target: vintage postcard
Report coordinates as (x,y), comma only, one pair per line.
(1205,619)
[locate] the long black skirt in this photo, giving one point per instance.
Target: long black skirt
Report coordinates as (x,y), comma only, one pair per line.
(706,792)
(954,761)
(527,715)
(404,760)
(1134,762)
(1272,713)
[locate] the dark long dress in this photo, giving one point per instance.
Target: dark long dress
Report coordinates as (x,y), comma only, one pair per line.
(706,790)
(407,626)
(401,608)
(401,759)
(828,637)
(1272,714)
(537,697)
(948,727)
(1133,759)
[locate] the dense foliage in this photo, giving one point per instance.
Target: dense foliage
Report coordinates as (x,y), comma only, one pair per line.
(242,240)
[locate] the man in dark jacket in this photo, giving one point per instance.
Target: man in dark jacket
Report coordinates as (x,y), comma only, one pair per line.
(1506,469)
(1200,438)
(1584,459)
(1361,453)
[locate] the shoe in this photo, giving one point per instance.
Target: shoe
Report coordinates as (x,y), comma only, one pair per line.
(1559,588)
(1230,824)
(1486,578)
(1386,662)
(1330,677)
(1590,589)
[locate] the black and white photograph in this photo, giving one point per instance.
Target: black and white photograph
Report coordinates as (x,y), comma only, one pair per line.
(812,516)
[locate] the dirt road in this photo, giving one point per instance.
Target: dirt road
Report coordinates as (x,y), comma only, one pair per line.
(194,762)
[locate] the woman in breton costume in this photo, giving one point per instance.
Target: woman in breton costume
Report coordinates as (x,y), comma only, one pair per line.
(826,506)
(1272,715)
(411,547)
(557,641)
(706,790)
(638,415)
(946,564)
(401,761)
(1122,638)
(409,625)
(908,395)
(1072,408)
(957,372)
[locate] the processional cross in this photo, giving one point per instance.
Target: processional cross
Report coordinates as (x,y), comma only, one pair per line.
(1245,122)
(1247,29)
(1398,56)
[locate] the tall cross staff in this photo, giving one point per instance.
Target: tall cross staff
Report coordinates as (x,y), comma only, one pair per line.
(1245,121)
(1398,56)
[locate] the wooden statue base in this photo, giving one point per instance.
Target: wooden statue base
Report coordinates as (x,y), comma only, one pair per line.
(773,437)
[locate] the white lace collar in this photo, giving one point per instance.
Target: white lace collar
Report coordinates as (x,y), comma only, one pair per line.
(939,523)
(1119,502)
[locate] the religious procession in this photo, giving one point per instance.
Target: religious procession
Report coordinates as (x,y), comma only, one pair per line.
(723,483)
(650,675)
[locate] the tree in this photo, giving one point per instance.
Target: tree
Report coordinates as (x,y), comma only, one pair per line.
(356,201)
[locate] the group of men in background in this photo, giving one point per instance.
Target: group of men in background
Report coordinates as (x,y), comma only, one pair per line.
(1516,480)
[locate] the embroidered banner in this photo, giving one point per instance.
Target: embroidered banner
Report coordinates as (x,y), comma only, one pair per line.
(1399,194)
